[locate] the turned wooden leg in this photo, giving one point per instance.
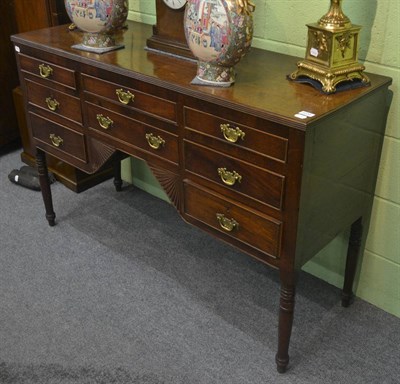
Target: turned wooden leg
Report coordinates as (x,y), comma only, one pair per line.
(353,252)
(117,172)
(45,186)
(286,312)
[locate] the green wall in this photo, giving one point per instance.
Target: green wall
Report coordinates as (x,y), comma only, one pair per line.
(280,27)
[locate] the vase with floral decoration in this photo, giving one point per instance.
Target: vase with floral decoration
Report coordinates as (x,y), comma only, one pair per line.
(98,19)
(219,34)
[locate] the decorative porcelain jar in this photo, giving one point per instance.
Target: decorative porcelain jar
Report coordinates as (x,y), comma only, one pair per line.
(97,19)
(219,34)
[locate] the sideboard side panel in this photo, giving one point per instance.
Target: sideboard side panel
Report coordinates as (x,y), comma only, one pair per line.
(342,156)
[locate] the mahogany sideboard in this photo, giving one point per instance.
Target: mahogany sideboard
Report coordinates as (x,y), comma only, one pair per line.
(270,166)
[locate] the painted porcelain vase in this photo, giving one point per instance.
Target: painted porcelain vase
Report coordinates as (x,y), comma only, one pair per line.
(97,19)
(219,34)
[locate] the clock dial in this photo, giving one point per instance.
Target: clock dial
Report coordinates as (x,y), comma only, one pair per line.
(175,4)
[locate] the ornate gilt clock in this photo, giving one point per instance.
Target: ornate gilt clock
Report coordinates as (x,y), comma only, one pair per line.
(168,33)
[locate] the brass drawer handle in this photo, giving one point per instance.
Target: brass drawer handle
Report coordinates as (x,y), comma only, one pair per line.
(52,104)
(45,70)
(232,134)
(227,224)
(104,122)
(57,141)
(229,178)
(155,142)
(125,97)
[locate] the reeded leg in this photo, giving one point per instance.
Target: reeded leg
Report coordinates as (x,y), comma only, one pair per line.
(45,186)
(286,312)
(353,252)
(117,173)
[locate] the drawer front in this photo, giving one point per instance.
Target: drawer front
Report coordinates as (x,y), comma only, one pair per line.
(132,132)
(235,175)
(236,134)
(239,223)
(54,101)
(131,97)
(48,71)
(60,140)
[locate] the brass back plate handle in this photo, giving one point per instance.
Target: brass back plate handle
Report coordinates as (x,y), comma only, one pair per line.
(124,97)
(104,122)
(228,177)
(232,134)
(57,141)
(45,70)
(227,224)
(52,104)
(154,142)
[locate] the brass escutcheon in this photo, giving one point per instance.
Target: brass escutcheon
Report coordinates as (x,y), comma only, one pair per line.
(232,134)
(124,96)
(52,104)
(229,178)
(45,70)
(155,142)
(227,224)
(104,122)
(57,141)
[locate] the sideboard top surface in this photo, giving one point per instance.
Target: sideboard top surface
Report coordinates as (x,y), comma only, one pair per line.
(261,86)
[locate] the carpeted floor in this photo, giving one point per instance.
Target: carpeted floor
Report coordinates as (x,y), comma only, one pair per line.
(121,290)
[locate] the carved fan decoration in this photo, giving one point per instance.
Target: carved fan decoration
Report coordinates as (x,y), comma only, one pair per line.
(171,184)
(100,153)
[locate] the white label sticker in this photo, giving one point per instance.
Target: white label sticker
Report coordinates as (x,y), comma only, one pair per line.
(308,114)
(17,49)
(314,52)
(304,114)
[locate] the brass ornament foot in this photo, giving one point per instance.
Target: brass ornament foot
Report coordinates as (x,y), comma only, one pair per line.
(330,78)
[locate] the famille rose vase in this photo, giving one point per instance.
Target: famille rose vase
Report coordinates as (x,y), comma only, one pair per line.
(219,34)
(97,19)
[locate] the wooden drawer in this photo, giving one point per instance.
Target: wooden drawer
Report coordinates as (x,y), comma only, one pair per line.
(57,139)
(51,100)
(48,71)
(260,232)
(140,101)
(235,175)
(237,135)
(132,132)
